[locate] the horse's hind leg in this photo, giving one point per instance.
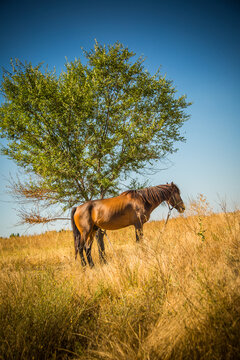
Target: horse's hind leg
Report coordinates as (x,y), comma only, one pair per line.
(88,247)
(80,249)
(89,256)
(101,248)
(77,240)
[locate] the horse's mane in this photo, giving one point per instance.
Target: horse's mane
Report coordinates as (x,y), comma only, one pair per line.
(153,194)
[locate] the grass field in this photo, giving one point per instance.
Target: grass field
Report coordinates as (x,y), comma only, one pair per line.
(175,296)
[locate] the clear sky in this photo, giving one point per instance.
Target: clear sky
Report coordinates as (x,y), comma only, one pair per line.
(197,45)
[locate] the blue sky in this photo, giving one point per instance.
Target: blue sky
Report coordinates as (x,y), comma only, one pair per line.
(197,45)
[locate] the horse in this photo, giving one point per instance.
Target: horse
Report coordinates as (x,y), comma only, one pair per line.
(132,207)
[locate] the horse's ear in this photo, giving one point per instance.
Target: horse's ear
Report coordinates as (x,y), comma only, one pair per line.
(171,183)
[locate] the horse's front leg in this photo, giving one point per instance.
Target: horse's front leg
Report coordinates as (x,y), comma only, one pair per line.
(139,233)
(140,219)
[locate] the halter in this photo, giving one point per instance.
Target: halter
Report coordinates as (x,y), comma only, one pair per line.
(169,213)
(170,207)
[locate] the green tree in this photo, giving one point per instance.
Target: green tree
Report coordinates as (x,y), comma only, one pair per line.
(81,133)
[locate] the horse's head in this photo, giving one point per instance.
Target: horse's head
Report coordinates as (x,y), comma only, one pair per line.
(175,199)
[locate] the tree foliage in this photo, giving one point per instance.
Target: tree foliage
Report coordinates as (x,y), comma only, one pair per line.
(81,133)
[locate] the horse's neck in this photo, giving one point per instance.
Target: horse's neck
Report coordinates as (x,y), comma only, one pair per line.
(164,197)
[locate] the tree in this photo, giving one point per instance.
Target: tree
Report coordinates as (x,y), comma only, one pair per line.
(81,133)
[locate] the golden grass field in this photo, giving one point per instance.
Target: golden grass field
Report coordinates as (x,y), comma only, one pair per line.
(174,296)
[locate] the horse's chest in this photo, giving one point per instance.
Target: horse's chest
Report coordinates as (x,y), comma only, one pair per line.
(141,214)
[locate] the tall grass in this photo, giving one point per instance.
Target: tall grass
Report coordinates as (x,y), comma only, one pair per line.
(175,296)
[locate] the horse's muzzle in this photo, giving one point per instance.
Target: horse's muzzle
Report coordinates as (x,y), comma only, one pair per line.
(181,209)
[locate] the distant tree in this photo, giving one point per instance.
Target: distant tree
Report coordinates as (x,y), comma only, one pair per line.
(81,133)
(14,235)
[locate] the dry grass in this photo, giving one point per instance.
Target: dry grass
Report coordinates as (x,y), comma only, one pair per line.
(175,296)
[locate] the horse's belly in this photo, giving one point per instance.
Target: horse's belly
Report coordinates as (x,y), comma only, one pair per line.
(114,224)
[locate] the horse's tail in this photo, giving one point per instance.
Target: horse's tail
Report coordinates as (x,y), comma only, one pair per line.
(76,233)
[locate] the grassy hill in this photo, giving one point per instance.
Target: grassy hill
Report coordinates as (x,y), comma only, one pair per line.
(175,296)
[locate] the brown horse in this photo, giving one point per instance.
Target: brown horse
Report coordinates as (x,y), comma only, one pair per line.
(132,207)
